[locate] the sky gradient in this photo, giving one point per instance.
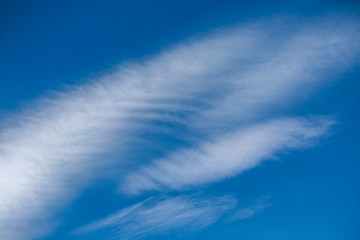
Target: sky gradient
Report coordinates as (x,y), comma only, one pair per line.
(179,120)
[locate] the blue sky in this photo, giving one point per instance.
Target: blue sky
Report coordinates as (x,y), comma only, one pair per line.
(179,120)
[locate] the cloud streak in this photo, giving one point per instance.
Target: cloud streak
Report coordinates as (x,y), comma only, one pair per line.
(211,85)
(227,156)
(157,215)
(258,206)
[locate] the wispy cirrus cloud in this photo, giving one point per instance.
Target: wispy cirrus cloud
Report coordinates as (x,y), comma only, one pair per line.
(227,156)
(256,207)
(160,214)
(211,85)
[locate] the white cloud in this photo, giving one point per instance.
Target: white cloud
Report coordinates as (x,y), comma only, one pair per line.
(243,212)
(213,84)
(226,156)
(164,215)
(158,215)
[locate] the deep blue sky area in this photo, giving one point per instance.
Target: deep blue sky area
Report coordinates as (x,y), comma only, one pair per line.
(46,45)
(314,193)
